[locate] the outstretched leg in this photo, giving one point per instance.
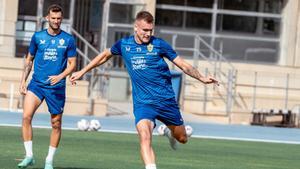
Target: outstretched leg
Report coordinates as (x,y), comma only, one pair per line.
(179,133)
(145,128)
(174,134)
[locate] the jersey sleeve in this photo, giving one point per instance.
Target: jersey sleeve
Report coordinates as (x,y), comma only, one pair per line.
(71,52)
(116,48)
(167,51)
(33,46)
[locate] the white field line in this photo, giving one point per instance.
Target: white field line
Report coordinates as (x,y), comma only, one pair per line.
(194,136)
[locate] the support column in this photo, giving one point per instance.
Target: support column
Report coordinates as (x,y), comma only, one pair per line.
(289,33)
(39,14)
(104,30)
(150,6)
(297,53)
(8,19)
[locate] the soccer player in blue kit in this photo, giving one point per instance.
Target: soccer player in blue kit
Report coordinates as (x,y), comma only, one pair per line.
(53,53)
(153,96)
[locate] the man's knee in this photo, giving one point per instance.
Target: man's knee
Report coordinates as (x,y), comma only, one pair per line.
(144,128)
(183,139)
(27,119)
(56,124)
(145,136)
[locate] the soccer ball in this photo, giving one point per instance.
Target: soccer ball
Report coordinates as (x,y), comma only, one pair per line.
(83,125)
(94,125)
(161,129)
(188,130)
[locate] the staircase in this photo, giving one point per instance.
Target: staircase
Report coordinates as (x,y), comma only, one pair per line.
(202,99)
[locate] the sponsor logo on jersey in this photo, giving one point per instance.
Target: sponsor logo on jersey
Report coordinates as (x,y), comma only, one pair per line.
(138,63)
(50,54)
(42,42)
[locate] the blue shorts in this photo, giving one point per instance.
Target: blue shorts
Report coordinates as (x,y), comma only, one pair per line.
(166,111)
(54,97)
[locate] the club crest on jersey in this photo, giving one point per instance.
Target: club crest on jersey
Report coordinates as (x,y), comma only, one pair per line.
(127,48)
(61,42)
(150,47)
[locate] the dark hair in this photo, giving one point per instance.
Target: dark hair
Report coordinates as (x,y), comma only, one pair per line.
(144,15)
(55,8)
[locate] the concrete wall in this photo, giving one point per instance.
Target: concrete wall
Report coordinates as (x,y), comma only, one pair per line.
(8,18)
(267,92)
(150,6)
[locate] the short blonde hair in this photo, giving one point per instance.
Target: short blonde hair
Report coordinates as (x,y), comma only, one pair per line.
(144,15)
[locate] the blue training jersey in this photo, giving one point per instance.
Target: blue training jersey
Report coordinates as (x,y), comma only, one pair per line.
(149,73)
(51,55)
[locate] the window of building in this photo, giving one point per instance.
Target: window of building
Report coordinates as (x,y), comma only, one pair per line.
(273,6)
(95,16)
(237,23)
(202,3)
(242,5)
(171,2)
(120,13)
(183,19)
(248,50)
(27,7)
(30,26)
(20,25)
(271,26)
(243,30)
(267,6)
(198,20)
(169,18)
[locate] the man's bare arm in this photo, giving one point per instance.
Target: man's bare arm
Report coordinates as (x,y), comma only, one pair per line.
(192,71)
(97,61)
(26,71)
(70,68)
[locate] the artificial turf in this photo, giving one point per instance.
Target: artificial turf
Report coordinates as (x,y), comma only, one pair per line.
(101,150)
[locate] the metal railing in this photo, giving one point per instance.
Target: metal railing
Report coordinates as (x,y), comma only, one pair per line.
(202,50)
(231,94)
(97,77)
(276,96)
(285,86)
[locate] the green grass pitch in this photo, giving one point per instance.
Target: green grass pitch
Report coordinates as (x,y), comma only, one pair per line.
(99,150)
